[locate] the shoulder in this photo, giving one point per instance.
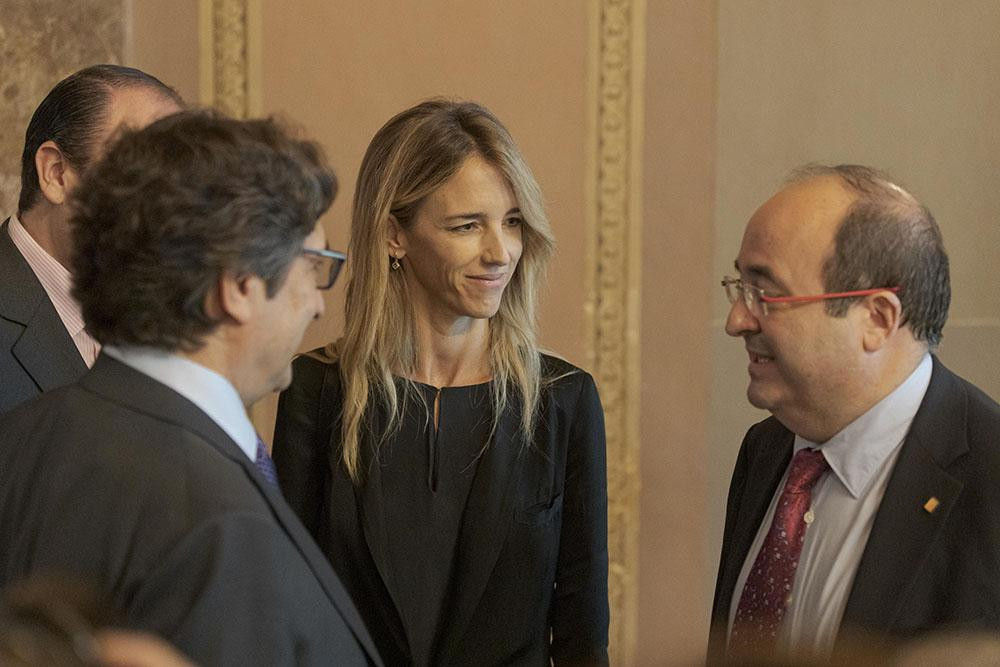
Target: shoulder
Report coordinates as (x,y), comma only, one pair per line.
(314,363)
(763,437)
(560,375)
(310,371)
(950,396)
(767,430)
(569,389)
(982,430)
(19,288)
(981,407)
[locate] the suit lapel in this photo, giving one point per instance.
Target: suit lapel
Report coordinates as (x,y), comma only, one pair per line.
(44,349)
(368,498)
(764,471)
(904,531)
(124,385)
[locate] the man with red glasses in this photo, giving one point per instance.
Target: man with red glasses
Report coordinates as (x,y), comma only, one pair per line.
(869,502)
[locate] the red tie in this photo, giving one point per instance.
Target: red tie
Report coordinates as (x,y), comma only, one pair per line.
(769,584)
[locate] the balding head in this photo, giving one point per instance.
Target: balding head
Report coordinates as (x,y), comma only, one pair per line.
(885,237)
(80,113)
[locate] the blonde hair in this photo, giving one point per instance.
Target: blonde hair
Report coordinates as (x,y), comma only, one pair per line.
(408,159)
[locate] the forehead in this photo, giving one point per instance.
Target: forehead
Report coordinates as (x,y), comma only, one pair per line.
(135,107)
(790,236)
(476,183)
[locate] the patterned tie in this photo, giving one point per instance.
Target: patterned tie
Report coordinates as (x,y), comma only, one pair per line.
(769,584)
(264,463)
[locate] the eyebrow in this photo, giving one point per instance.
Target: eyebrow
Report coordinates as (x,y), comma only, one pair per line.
(479,215)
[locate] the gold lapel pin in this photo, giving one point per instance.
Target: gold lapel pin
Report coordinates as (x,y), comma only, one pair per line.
(931,505)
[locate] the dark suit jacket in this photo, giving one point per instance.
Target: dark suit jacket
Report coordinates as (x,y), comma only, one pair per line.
(120,481)
(920,570)
(532,555)
(36,351)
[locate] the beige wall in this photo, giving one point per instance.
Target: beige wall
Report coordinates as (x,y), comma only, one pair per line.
(163,40)
(676,311)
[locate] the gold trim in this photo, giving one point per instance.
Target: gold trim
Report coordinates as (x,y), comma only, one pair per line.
(230,33)
(615,216)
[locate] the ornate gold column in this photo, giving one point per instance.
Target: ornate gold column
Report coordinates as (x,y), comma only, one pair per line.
(231,56)
(615,221)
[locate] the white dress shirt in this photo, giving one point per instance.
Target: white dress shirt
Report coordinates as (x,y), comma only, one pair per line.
(844,502)
(208,390)
(57,282)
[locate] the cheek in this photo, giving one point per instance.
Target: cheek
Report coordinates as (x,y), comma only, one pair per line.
(516,250)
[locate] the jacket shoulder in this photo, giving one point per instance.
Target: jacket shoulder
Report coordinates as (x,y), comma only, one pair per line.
(559,372)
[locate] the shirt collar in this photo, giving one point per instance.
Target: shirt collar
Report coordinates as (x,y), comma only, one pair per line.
(54,277)
(208,390)
(859,451)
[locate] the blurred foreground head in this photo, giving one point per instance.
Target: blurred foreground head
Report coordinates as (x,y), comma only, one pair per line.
(56,621)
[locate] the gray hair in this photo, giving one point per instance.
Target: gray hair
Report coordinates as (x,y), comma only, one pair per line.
(886,239)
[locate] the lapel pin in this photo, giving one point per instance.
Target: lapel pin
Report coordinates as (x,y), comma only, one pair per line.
(931,505)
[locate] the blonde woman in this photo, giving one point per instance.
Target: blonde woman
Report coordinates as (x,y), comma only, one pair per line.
(453,474)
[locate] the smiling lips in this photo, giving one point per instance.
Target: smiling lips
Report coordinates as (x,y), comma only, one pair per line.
(489,279)
(758,358)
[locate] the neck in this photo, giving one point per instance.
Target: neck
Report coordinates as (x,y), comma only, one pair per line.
(452,353)
(48,225)
(216,356)
(883,377)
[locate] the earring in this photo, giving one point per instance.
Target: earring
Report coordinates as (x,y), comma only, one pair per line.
(394,264)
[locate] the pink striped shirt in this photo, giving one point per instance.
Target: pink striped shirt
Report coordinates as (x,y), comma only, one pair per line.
(56,281)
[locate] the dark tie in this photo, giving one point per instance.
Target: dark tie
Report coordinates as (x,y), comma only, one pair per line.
(769,585)
(264,463)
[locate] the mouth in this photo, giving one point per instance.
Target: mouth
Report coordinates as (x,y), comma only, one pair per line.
(758,358)
(489,279)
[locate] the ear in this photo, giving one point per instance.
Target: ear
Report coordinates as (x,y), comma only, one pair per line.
(883,314)
(397,238)
(56,177)
(236,297)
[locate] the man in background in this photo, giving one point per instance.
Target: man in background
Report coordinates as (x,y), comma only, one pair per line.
(869,502)
(199,261)
(43,343)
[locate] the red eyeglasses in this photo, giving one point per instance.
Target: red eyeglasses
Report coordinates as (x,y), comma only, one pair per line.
(756,301)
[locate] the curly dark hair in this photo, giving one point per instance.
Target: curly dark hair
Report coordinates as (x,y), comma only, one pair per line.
(887,238)
(72,115)
(174,206)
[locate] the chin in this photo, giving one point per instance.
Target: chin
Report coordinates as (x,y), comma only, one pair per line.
(280,382)
(759,398)
(482,312)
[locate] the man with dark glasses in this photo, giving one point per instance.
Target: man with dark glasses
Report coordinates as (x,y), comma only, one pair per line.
(199,262)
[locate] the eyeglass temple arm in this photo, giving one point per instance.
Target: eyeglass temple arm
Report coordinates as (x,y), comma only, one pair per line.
(832,295)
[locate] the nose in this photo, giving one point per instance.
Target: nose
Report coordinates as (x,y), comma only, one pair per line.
(497,249)
(741,321)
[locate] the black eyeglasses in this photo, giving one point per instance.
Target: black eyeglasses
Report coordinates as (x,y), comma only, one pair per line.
(328,265)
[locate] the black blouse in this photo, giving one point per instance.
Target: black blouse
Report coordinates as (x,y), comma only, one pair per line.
(426,473)
(452,552)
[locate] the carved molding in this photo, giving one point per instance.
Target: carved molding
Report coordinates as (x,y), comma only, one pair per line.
(618,35)
(230,41)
